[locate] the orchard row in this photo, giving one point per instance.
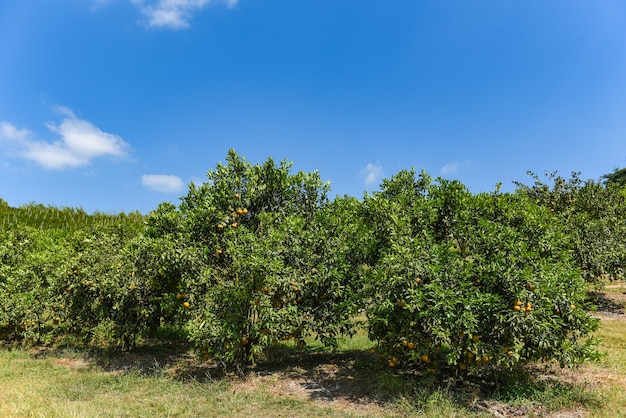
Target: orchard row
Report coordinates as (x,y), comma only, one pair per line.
(449,280)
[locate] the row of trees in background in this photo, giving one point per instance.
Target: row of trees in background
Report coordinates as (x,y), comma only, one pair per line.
(448,280)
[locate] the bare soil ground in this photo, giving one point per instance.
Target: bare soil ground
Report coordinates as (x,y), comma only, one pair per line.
(611,302)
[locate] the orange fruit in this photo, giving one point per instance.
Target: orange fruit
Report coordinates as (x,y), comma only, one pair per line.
(186,305)
(245,211)
(244,340)
(410,346)
(220,226)
(516,308)
(425,358)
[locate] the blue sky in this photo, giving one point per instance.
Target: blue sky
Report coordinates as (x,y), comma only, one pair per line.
(116,105)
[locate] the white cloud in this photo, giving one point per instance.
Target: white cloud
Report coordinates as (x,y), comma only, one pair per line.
(372,173)
(10,133)
(162,183)
(79,143)
(452,169)
(173,14)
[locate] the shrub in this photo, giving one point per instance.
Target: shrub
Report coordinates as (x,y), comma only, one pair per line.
(469,281)
(594,217)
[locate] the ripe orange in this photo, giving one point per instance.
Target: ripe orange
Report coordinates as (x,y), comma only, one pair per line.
(234,225)
(245,211)
(237,196)
(220,226)
(219,251)
(239,211)
(244,340)
(516,308)
(410,346)
(425,358)
(186,305)
(486,358)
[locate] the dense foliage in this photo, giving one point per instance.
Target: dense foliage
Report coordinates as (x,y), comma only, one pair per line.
(467,281)
(594,219)
(449,280)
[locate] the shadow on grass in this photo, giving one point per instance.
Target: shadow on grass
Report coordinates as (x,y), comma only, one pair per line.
(353,377)
(608,302)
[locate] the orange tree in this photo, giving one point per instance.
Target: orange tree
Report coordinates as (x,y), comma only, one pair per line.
(278,260)
(77,281)
(30,262)
(594,216)
(101,296)
(464,282)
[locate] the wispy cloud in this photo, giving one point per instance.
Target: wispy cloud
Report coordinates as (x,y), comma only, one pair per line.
(452,169)
(79,143)
(162,183)
(372,173)
(173,14)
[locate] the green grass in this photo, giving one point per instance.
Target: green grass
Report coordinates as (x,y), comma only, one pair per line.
(167,381)
(71,388)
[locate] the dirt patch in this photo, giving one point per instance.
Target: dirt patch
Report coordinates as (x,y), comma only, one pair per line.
(298,385)
(343,380)
(500,410)
(72,364)
(610,305)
